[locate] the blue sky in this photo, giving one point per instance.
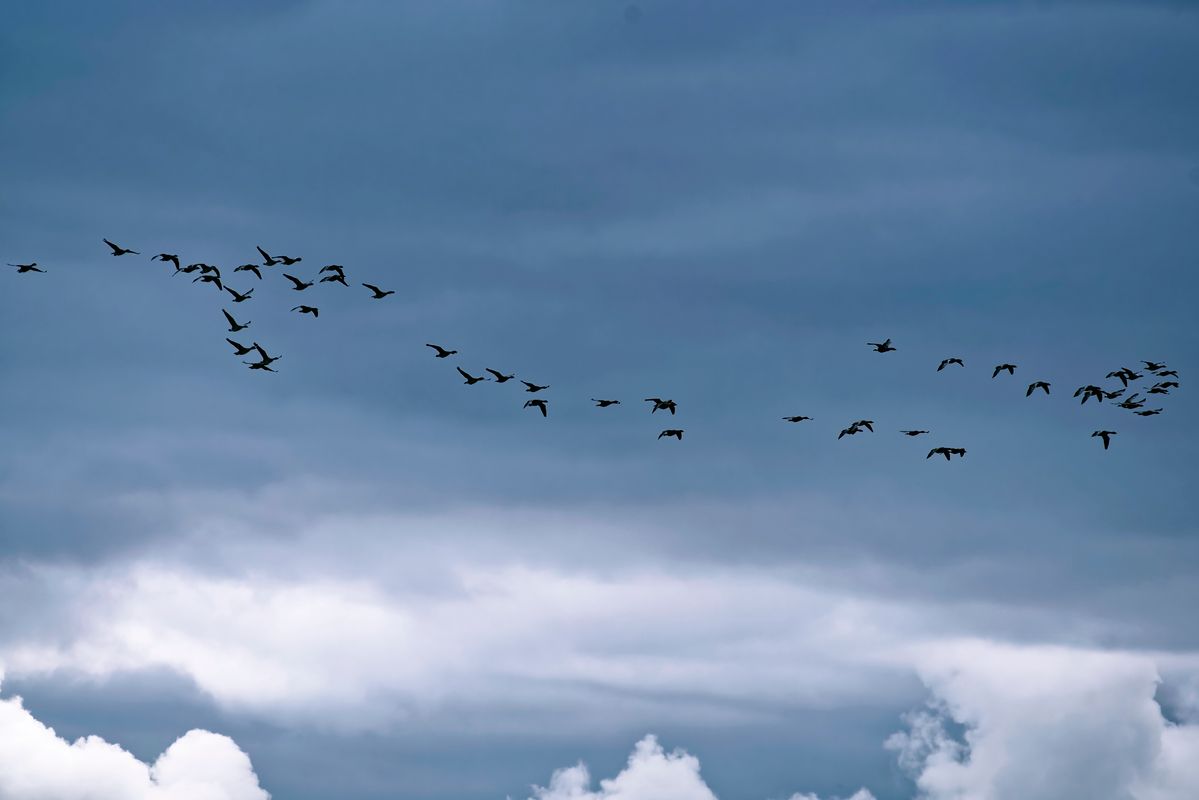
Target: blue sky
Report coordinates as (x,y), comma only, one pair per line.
(378,582)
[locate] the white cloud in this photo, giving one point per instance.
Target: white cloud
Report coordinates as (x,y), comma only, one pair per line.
(651,774)
(36,764)
(860,794)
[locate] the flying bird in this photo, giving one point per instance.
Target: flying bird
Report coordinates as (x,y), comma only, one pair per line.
(1162,387)
(675,432)
(499,376)
(335,279)
(267,259)
(1032,387)
(532,387)
(167,257)
(316,312)
(1088,392)
(190,268)
(298,285)
(662,405)
(948,452)
(1173,373)
(117,250)
(868,424)
(240,348)
(260,366)
(215,280)
(1153,366)
(946,362)
(379,294)
(471,380)
(1131,402)
(263,356)
(605,403)
(1106,436)
(287,261)
(23,268)
(334,268)
(538,403)
(1009,368)
(234,326)
(850,431)
(1125,375)
(238,297)
(797,418)
(1149,412)
(441,351)
(881,347)
(249,268)
(912,433)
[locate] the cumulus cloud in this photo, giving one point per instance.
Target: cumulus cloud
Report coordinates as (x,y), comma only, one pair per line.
(37,764)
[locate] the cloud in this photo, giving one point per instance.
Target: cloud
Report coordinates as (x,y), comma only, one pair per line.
(1043,723)
(37,764)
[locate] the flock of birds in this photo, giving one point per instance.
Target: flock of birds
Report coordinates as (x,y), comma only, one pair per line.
(1165,378)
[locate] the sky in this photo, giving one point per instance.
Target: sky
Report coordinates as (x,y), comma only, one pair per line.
(360,578)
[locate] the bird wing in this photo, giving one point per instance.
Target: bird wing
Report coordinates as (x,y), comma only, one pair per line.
(114,247)
(464,373)
(229,317)
(294,280)
(374,289)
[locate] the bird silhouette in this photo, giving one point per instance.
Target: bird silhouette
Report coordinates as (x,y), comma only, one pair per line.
(167,257)
(605,403)
(214,280)
(338,268)
(471,380)
(209,269)
(948,452)
(1167,372)
(797,418)
(378,293)
(1125,375)
(868,424)
(662,405)
(913,433)
(335,279)
(117,250)
(1088,392)
(1113,395)
(1106,436)
(1009,368)
(675,432)
(287,261)
(263,356)
(238,297)
(499,376)
(316,312)
(1032,387)
(538,403)
(850,431)
(260,366)
(946,362)
(234,326)
(532,387)
(1153,366)
(1162,387)
(441,351)
(1149,412)
(1131,401)
(267,259)
(881,347)
(23,268)
(249,268)
(240,348)
(298,285)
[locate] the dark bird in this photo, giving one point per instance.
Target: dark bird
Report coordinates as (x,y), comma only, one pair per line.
(1168,372)
(912,433)
(1032,387)
(190,268)
(538,403)
(1088,392)
(605,403)
(314,311)
(249,268)
(174,259)
(260,366)
(499,376)
(267,259)
(117,250)
(215,280)
(532,387)
(1149,412)
(379,294)
(240,348)
(263,356)
(1009,368)
(471,380)
(881,347)
(946,362)
(1167,384)
(797,418)
(234,327)
(850,431)
(1125,375)
(1153,366)
(441,351)
(338,268)
(335,279)
(948,452)
(1113,395)
(1131,402)
(868,424)
(298,285)
(662,405)
(238,297)
(287,261)
(675,432)
(209,269)
(23,268)
(1106,436)
(1162,387)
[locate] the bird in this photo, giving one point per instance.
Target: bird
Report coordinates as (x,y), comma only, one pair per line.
(662,405)
(1162,387)
(1167,372)
(948,452)
(260,366)
(287,261)
(1088,392)
(1113,395)
(605,403)
(868,424)
(946,362)
(23,268)
(796,418)
(298,285)
(234,325)
(1153,366)
(238,297)
(267,259)
(499,376)
(335,279)
(1125,375)
(316,312)
(249,268)
(1106,436)
(190,268)
(263,356)
(1010,368)
(379,294)
(675,432)
(912,433)
(538,402)
(1131,401)
(240,348)
(215,280)
(850,431)
(471,380)
(1037,385)
(532,387)
(1149,412)
(333,268)
(441,351)
(209,269)
(117,250)
(881,347)
(167,257)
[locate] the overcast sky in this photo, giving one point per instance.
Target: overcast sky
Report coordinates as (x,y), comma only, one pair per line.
(360,578)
